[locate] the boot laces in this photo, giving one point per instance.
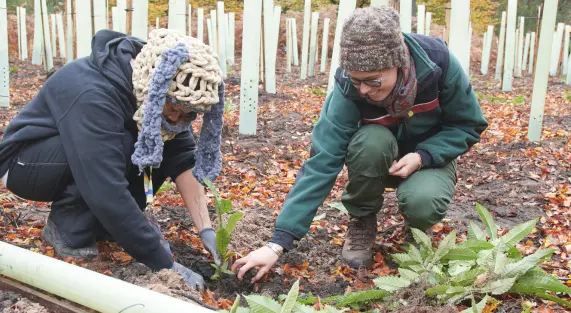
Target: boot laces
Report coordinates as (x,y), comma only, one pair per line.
(359,234)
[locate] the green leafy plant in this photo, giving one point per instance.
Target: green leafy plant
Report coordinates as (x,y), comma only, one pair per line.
(518,100)
(164,187)
(286,304)
(14,69)
(228,106)
(476,268)
(223,232)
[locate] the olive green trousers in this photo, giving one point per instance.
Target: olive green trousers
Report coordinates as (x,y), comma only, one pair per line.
(423,197)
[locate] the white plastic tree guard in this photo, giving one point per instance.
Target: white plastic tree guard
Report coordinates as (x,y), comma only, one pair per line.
(428,22)
(406,16)
(54,34)
(231,37)
(61,37)
(122,15)
(47,47)
(459,42)
(69,23)
(500,57)
(305,39)
(190,19)
(469,47)
(531,53)
(214,30)
(96,291)
(420,17)
(520,43)
(288,45)
(556,50)
(510,46)
(221,37)
(83,27)
(24,33)
(379,3)
(346,8)
(516,50)
(313,44)
(541,70)
(324,45)
(99,15)
(157,24)
(140,20)
(294,42)
(20,54)
(177,15)
(565,48)
(4,63)
(251,35)
(525,52)
(209,33)
(115,19)
(200,24)
(38,34)
(487,50)
(568,78)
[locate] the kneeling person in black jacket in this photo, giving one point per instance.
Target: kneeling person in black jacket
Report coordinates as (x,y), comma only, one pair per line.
(98,126)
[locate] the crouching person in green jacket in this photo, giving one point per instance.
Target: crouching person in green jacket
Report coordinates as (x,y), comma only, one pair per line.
(401,112)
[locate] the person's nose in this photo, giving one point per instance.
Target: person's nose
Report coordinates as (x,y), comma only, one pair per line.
(364,89)
(174,116)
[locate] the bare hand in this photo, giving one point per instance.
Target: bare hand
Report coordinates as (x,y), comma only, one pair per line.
(263,257)
(406,165)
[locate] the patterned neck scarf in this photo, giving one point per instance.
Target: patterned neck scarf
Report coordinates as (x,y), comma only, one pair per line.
(401,99)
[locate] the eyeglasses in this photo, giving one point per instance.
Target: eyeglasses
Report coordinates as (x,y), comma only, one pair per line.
(369,82)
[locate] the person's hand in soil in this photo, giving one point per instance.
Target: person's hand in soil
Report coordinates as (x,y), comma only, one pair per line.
(192,279)
(208,237)
(264,257)
(406,165)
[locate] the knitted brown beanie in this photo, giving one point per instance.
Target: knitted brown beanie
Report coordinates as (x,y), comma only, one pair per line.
(371,40)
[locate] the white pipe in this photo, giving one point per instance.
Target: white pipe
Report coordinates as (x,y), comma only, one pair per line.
(88,288)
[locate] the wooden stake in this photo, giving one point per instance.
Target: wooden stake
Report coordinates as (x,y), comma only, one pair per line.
(129,18)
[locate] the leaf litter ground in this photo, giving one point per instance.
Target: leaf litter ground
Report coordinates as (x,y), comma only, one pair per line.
(515,179)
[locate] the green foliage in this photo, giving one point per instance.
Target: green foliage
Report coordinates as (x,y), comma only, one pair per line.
(14,69)
(475,268)
(291,303)
(223,232)
(164,187)
(228,106)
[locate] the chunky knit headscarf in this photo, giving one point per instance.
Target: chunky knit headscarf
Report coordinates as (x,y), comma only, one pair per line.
(178,68)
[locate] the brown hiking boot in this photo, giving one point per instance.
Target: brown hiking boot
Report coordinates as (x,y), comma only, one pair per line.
(358,247)
(51,235)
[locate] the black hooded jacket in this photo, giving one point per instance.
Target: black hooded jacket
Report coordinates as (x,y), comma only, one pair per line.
(90,104)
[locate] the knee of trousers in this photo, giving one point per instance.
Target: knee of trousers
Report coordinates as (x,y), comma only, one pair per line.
(422,210)
(372,149)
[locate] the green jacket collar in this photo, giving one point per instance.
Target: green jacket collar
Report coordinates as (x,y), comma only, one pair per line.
(425,68)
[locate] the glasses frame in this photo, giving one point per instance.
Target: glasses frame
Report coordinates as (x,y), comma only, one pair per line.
(375,83)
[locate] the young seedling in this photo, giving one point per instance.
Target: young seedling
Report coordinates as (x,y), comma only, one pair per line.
(223,232)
